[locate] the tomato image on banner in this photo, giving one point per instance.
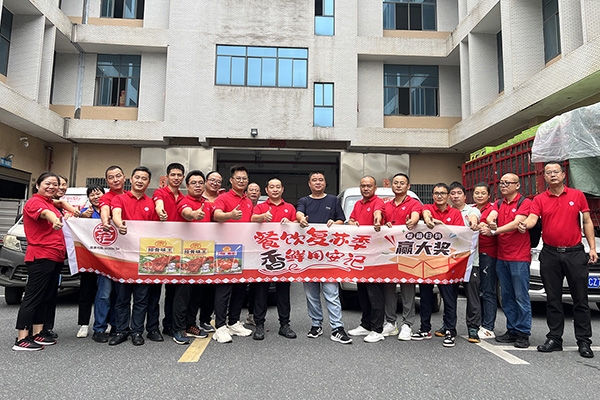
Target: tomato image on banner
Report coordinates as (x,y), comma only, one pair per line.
(228,258)
(159,256)
(198,257)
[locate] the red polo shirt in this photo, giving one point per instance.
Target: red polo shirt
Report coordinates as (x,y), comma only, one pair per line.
(195,204)
(134,209)
(107,198)
(227,202)
(513,246)
(42,240)
(279,211)
(364,210)
(450,216)
(560,216)
(397,213)
(488,244)
(170,203)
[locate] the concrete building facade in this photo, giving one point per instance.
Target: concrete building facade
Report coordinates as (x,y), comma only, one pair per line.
(403,85)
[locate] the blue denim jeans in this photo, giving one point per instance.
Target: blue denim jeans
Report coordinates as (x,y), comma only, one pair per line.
(487,286)
(332,298)
(104,305)
(514,287)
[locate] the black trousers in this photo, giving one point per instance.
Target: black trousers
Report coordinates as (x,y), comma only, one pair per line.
(52,300)
(202,299)
(371,297)
(42,285)
(449,295)
(554,267)
(229,299)
(153,308)
(87,296)
(283,302)
(170,289)
(473,300)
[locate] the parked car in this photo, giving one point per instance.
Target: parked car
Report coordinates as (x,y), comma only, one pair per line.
(348,198)
(13,272)
(536,288)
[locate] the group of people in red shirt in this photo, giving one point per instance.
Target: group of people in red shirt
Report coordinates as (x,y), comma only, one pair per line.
(503,254)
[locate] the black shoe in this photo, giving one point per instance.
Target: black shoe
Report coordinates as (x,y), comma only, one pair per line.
(286,331)
(50,333)
(522,341)
(137,339)
(100,337)
(549,346)
(167,330)
(155,336)
(508,337)
(259,332)
(118,339)
(585,350)
(208,328)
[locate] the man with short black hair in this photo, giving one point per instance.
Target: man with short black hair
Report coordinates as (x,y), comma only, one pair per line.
(563,256)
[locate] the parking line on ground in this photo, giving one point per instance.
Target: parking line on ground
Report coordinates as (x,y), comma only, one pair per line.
(501,351)
(195,350)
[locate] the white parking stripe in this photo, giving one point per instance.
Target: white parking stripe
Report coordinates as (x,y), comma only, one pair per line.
(501,351)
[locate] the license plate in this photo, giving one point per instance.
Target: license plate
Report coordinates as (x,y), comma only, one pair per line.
(594,282)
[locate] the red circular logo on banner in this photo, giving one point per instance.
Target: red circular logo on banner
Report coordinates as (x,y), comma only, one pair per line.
(104,238)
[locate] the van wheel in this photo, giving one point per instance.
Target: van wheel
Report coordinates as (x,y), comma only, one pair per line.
(13,295)
(437,302)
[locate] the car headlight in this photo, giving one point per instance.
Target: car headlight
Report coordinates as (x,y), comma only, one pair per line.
(535,255)
(12,243)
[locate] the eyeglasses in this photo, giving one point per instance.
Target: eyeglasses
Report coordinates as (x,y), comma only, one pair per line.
(213,180)
(440,194)
(240,179)
(196,183)
(555,172)
(507,183)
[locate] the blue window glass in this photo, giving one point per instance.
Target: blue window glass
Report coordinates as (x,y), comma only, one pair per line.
(261,66)
(410,90)
(323,105)
(324,17)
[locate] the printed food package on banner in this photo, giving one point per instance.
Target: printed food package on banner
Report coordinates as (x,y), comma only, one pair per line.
(159,256)
(228,258)
(198,257)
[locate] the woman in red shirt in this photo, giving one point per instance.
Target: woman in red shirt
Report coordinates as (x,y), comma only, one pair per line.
(44,259)
(488,248)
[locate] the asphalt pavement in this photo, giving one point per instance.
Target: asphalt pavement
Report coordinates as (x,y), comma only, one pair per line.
(299,368)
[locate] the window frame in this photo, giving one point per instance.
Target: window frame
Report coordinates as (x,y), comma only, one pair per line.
(123,82)
(551,21)
(323,101)
(500,58)
(410,98)
(233,65)
(325,13)
(391,9)
(6,24)
(108,8)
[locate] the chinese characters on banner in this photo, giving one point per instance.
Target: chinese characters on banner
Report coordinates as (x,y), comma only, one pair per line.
(180,252)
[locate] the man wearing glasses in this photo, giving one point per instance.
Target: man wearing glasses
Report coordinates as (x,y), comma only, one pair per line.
(232,206)
(563,256)
(514,258)
(439,213)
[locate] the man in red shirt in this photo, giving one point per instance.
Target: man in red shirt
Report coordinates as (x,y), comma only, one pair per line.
(275,209)
(132,206)
(402,210)
(369,211)
(563,256)
(439,213)
(514,259)
(115,180)
(232,206)
(166,200)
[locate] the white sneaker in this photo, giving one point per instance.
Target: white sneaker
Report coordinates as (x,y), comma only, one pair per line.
(485,333)
(390,329)
(238,329)
(373,337)
(83,331)
(405,332)
(359,331)
(222,335)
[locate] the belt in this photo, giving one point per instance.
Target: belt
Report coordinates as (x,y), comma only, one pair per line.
(579,247)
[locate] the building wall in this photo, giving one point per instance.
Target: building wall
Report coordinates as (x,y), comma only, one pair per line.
(434,168)
(33,159)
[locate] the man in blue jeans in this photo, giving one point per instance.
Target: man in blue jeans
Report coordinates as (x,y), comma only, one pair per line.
(322,208)
(514,259)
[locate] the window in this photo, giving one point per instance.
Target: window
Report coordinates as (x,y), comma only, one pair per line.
(5,31)
(410,90)
(413,15)
(117,80)
(261,66)
(551,29)
(324,17)
(500,62)
(129,9)
(323,112)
